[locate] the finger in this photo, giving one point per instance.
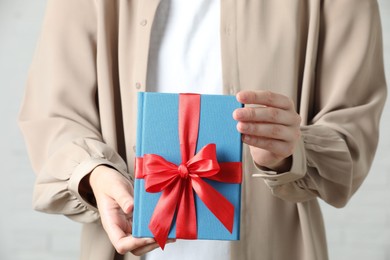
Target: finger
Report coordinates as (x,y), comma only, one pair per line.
(271,131)
(265,98)
(113,230)
(279,148)
(145,249)
(266,115)
(130,243)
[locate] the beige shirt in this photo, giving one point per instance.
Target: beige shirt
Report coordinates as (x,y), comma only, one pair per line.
(79,109)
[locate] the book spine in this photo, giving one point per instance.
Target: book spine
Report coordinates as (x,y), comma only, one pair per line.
(137,198)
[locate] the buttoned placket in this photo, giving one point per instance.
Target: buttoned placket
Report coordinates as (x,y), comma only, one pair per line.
(231,84)
(145,16)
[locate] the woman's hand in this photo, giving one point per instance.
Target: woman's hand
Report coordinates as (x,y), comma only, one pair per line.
(270,126)
(114,197)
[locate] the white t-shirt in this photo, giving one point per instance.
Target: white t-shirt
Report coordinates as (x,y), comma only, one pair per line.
(185,57)
(185,51)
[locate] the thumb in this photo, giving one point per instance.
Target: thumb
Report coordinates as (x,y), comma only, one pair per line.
(108,181)
(122,193)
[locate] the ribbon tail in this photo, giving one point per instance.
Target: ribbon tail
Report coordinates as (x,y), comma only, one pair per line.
(215,202)
(163,214)
(186,213)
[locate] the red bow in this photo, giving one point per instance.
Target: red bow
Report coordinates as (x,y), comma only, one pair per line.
(178,182)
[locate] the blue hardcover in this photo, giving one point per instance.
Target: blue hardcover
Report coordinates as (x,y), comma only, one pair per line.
(157,133)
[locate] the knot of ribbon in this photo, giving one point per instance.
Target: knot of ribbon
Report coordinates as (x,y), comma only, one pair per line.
(183,171)
(179,182)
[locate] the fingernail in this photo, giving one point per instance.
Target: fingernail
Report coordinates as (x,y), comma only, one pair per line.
(241,97)
(239,113)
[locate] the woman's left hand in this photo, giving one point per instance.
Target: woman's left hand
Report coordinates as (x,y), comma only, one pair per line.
(270,126)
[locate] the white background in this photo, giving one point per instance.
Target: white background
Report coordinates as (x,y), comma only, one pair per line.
(361,230)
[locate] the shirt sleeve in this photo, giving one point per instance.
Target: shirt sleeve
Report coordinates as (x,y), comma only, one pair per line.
(340,137)
(59,117)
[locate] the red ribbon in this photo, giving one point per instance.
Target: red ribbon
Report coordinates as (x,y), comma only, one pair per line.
(177,183)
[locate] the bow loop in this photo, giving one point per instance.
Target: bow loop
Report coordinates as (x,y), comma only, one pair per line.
(204,163)
(158,173)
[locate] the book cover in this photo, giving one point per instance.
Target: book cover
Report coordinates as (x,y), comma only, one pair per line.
(158,133)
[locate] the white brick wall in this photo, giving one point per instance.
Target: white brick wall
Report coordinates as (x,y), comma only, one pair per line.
(24,233)
(359,231)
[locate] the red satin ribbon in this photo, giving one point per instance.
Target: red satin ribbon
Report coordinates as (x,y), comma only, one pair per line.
(177,183)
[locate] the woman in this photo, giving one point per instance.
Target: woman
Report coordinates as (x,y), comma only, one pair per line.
(313,69)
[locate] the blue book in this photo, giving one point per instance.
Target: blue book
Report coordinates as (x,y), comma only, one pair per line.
(157,133)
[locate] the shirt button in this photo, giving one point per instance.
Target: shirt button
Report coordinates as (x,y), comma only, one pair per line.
(227,31)
(143,22)
(134,148)
(137,85)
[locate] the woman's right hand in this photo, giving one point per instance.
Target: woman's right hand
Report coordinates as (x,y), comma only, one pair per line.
(114,198)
